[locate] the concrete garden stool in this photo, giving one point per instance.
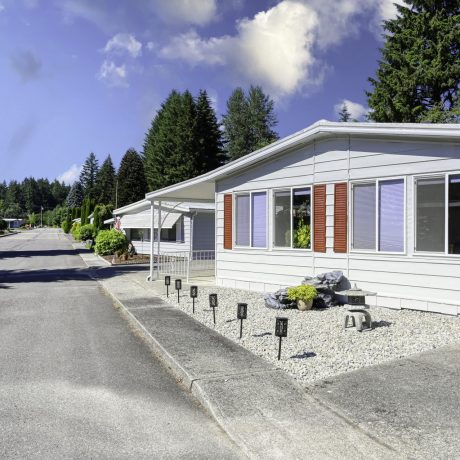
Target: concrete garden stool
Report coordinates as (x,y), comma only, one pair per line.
(358,317)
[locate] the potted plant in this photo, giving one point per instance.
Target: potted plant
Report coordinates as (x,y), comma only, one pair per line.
(303,295)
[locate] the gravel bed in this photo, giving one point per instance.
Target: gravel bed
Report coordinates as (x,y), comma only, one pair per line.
(317,346)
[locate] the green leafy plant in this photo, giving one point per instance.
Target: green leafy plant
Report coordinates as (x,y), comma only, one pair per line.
(76,231)
(66,226)
(302,236)
(303,292)
(87,232)
(3,225)
(111,242)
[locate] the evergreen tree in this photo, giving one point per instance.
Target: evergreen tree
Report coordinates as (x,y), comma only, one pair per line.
(249,122)
(418,78)
(105,182)
(132,185)
(344,114)
(208,136)
(31,195)
(237,134)
(261,118)
(170,147)
(88,176)
(75,196)
(59,191)
(14,200)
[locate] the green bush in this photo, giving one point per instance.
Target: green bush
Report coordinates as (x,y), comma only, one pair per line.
(76,231)
(66,226)
(110,242)
(303,292)
(87,232)
(3,225)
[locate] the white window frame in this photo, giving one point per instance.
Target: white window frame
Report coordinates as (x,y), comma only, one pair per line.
(446,176)
(250,193)
(291,189)
(376,182)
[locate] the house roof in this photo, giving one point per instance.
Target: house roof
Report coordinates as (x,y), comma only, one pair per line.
(142,205)
(202,188)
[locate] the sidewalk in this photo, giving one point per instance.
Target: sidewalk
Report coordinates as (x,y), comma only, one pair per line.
(259,406)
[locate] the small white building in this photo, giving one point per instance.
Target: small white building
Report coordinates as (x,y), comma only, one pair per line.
(379,201)
(184,226)
(13,222)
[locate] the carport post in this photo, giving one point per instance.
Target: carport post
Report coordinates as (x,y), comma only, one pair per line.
(152,226)
(159,238)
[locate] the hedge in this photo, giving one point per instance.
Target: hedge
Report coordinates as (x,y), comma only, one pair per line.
(110,242)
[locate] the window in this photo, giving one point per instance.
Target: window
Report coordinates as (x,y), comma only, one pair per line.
(437,219)
(430,209)
(292,218)
(173,234)
(379,215)
(251,219)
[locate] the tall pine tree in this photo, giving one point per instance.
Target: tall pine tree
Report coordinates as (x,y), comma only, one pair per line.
(75,196)
(88,175)
(249,122)
(344,114)
(418,78)
(132,185)
(105,182)
(208,136)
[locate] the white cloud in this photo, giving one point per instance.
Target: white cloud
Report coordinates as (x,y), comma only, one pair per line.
(356,110)
(197,12)
(71,175)
(150,46)
(113,75)
(2,8)
(280,48)
(122,42)
(272,49)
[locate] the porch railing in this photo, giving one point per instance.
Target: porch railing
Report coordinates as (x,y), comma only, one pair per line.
(187,264)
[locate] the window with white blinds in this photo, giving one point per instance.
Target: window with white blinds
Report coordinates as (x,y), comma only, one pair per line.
(379,216)
(251,219)
(242,209)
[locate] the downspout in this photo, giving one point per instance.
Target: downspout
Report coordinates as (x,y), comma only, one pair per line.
(152,227)
(159,238)
(190,256)
(349,207)
(312,215)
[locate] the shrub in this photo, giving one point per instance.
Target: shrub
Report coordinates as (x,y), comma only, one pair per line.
(110,242)
(303,292)
(76,231)
(87,232)
(3,225)
(66,226)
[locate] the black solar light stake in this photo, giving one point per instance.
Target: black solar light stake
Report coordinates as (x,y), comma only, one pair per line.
(193,295)
(178,288)
(167,284)
(213,305)
(242,313)
(281,331)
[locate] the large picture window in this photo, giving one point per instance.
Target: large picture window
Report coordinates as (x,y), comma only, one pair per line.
(292,218)
(251,219)
(379,215)
(434,208)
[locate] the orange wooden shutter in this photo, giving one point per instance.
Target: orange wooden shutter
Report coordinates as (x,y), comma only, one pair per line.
(319,218)
(340,217)
(228,204)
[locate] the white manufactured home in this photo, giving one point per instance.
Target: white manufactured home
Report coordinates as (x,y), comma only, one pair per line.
(184,227)
(381,202)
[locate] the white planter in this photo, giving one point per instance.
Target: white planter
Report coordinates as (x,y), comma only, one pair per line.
(303,306)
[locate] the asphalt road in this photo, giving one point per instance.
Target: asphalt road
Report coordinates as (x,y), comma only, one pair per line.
(75,382)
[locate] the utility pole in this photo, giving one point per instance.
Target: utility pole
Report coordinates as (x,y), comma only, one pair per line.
(41,216)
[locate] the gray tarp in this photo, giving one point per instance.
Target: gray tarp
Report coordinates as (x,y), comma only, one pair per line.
(325,284)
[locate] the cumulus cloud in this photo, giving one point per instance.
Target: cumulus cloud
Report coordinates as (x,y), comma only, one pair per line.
(281,48)
(26,65)
(196,12)
(273,48)
(150,46)
(2,8)
(356,110)
(71,175)
(112,74)
(124,43)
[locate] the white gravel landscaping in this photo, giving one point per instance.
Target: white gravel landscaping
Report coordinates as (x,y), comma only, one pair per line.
(317,346)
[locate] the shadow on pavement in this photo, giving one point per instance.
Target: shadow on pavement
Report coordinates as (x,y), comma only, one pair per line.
(41,253)
(64,274)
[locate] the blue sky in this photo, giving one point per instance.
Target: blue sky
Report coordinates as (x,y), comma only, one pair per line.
(81,76)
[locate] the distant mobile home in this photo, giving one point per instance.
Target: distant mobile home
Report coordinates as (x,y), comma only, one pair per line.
(381,202)
(184,227)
